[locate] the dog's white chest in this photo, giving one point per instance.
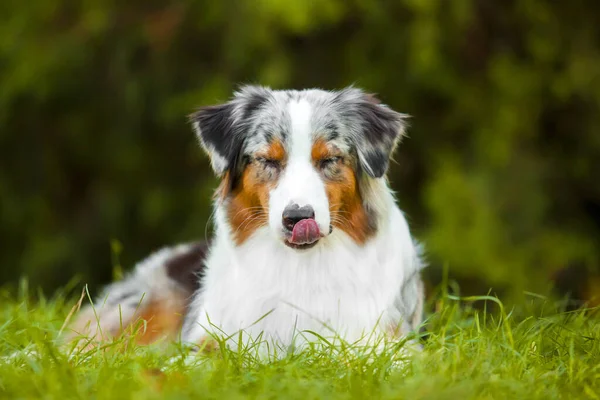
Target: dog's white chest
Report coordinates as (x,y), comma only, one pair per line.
(280,299)
(343,291)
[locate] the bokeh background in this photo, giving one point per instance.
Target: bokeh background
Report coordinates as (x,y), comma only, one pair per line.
(500,177)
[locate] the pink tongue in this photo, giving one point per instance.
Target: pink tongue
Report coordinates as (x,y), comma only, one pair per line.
(305,231)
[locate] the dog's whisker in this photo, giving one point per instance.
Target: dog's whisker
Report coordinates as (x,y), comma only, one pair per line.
(248,209)
(248,221)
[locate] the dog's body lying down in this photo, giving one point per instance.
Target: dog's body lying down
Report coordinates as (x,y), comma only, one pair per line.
(308,238)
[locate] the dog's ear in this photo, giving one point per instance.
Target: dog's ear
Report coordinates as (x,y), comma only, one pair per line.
(214,126)
(223,128)
(375,128)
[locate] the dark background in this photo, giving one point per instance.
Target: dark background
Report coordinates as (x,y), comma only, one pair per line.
(500,176)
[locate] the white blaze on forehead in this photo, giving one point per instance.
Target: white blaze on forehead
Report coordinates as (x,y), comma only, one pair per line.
(301,138)
(300,182)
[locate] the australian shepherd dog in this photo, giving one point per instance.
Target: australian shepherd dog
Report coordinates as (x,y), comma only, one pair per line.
(309,241)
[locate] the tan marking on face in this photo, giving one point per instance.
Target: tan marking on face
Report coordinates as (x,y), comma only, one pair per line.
(341,185)
(248,207)
(320,151)
(275,151)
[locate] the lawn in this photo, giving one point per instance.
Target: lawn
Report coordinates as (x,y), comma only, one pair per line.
(531,351)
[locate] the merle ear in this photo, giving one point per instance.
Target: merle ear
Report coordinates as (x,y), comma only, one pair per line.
(377,130)
(223,128)
(214,126)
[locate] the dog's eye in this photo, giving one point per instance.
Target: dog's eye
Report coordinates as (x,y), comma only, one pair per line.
(269,163)
(328,162)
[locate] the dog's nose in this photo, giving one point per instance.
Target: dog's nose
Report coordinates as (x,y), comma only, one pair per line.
(293,213)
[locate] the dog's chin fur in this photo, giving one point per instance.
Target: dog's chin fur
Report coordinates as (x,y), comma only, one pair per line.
(359,282)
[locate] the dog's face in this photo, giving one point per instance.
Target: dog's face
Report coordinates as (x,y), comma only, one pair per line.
(295,160)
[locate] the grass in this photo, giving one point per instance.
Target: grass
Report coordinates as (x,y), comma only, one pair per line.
(531,352)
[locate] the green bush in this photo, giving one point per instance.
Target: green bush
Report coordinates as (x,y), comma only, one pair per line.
(499,176)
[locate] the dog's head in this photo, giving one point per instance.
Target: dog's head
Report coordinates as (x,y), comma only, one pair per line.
(293,161)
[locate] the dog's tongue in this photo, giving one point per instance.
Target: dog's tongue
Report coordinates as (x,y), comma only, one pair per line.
(305,231)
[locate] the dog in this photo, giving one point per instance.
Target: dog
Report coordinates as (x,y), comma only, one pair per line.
(309,241)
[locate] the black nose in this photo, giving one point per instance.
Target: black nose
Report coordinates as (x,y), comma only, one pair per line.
(294,213)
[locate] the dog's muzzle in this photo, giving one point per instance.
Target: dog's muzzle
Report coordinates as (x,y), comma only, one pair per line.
(299,223)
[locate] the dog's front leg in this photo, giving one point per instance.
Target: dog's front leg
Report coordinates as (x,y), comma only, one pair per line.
(195,331)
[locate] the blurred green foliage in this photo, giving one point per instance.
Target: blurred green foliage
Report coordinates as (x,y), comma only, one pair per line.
(499,178)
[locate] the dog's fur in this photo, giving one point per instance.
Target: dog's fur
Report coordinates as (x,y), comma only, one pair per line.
(272,149)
